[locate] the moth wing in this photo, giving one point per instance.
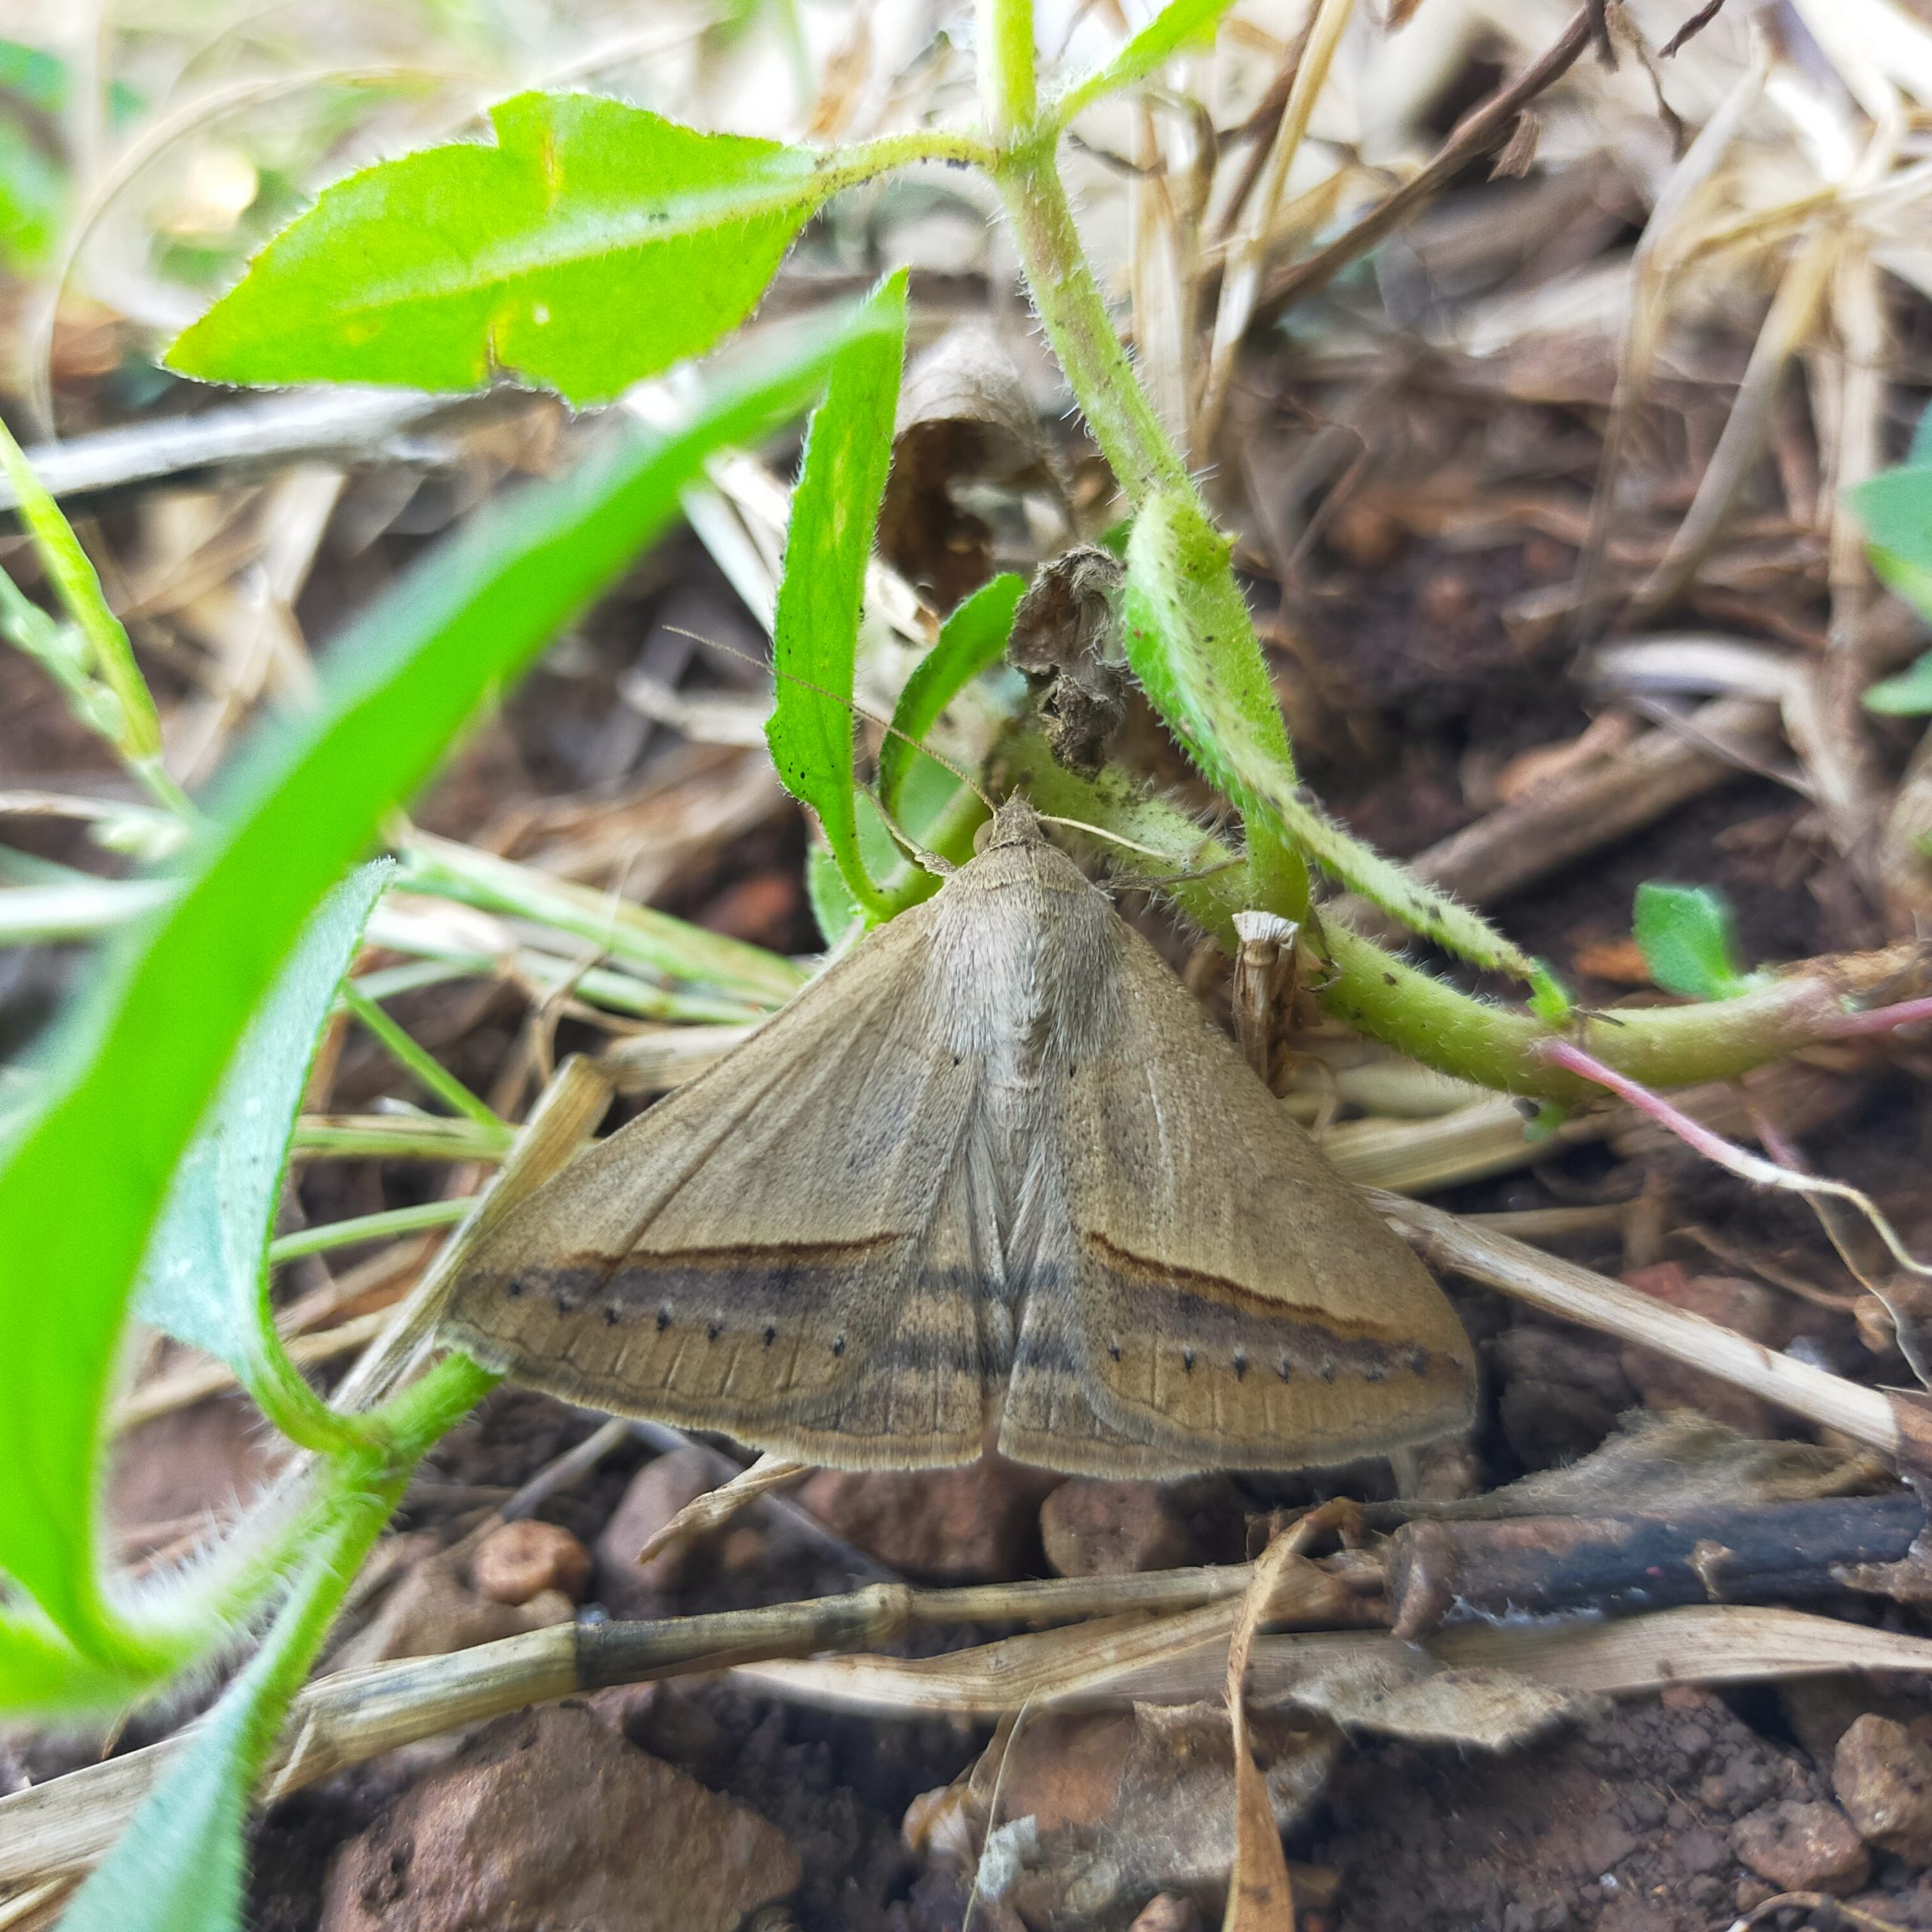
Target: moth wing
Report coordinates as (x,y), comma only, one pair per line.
(1236,1303)
(767,1251)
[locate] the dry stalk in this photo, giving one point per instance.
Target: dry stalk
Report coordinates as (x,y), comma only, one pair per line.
(351,1716)
(1574,1294)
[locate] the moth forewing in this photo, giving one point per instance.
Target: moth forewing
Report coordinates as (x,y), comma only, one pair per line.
(995,1165)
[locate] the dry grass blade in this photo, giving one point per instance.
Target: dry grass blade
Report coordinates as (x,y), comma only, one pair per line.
(351,1716)
(1240,279)
(1575,1293)
(1261,1898)
(717,1506)
(1478,131)
(1793,316)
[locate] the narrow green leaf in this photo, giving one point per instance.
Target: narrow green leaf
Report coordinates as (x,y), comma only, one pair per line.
(204,1278)
(1686,935)
(593,244)
(815,633)
(971,640)
(133,1072)
(1173,27)
(1190,641)
(40,1670)
(1909,695)
(73,576)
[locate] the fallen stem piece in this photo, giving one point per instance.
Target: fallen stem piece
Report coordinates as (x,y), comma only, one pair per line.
(1573,1293)
(1477,132)
(347,1719)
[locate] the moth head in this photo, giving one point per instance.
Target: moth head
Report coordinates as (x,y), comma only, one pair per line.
(1015,823)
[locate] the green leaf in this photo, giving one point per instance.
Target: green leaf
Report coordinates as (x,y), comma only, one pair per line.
(594,244)
(1685,934)
(1896,508)
(40,1670)
(815,632)
(204,1278)
(180,1865)
(1191,642)
(1909,695)
(131,1075)
(971,640)
(1177,24)
(73,575)
(33,192)
(833,907)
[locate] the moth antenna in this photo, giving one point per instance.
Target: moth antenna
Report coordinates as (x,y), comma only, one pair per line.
(852,705)
(929,862)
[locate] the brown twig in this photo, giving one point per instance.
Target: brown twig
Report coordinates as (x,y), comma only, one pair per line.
(1480,129)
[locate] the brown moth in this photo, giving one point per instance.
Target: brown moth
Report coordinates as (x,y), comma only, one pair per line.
(994,1170)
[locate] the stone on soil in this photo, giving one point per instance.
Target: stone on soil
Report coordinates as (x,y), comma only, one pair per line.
(520,1560)
(1802,1847)
(550,1819)
(977,1523)
(1883,1777)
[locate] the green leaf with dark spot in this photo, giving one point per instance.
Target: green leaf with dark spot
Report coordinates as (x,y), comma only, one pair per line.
(592,245)
(815,632)
(1685,934)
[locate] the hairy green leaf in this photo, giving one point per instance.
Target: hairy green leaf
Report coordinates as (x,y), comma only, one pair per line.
(593,244)
(132,1073)
(1191,642)
(815,633)
(1909,695)
(971,640)
(1686,935)
(204,1278)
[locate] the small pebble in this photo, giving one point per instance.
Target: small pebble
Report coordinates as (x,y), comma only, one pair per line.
(520,1560)
(1802,1847)
(1883,1777)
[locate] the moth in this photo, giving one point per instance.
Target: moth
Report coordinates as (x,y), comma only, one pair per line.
(995,1174)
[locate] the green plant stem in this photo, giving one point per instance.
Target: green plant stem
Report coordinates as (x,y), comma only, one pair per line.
(1074,313)
(1009,80)
(1137,448)
(409,1053)
(416,1419)
(1432,1021)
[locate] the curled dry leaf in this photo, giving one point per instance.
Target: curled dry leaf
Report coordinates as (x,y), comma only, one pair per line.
(963,415)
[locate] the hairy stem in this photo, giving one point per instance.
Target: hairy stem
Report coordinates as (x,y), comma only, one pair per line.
(1432,1021)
